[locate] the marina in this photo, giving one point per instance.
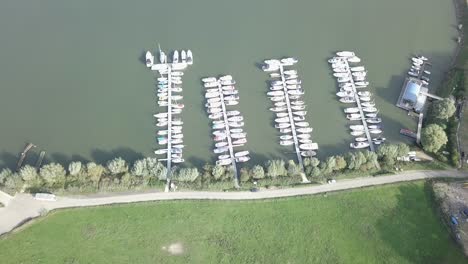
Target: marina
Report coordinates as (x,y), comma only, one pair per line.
(168,88)
(352,83)
(227,124)
(285,92)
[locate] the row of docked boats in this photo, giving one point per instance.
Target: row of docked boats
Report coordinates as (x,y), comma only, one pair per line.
(179,60)
(169,94)
(352,86)
(285,92)
(228,131)
(419,69)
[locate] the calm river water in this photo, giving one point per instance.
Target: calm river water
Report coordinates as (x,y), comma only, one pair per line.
(71,79)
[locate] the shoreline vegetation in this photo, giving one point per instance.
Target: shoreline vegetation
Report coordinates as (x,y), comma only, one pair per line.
(149,173)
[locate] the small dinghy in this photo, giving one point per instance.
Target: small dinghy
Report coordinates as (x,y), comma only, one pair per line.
(374,120)
(302,124)
(223,162)
(286,142)
(308,153)
(304,136)
(359,145)
(310,146)
(360,139)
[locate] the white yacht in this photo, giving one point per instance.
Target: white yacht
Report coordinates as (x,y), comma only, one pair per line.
(149,59)
(354,59)
(175,57)
(189,57)
(345,53)
(183,55)
(359,145)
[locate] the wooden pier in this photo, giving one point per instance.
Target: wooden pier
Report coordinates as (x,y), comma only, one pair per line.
(291,118)
(358,102)
(228,133)
(28,147)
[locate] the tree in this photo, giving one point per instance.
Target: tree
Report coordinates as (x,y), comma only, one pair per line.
(293,169)
(117,166)
(258,172)
(28,174)
(218,172)
(403,150)
(53,174)
(187,175)
(329,165)
(95,172)
(340,163)
(433,137)
(276,168)
(207,172)
(316,174)
(443,109)
(244,175)
(314,162)
(350,160)
(360,159)
(74,168)
(4,175)
(388,153)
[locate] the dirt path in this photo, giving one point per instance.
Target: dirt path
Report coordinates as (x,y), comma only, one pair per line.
(23,207)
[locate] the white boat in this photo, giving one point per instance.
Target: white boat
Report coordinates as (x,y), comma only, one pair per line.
(374,127)
(308,153)
(282,114)
(149,59)
(211,95)
(209,80)
(178,106)
(221,144)
(178,136)
(233,113)
(243,159)
(178,160)
(362,83)
(374,120)
(276,88)
(305,141)
(230,92)
(189,57)
(286,137)
(220,137)
(179,146)
(357,133)
(282,125)
(175,57)
(211,84)
(285,130)
(216,104)
(176,141)
(236,130)
(277,82)
(225,156)
(278,109)
(294,81)
(344,94)
(335,60)
(235,118)
(277,98)
(360,74)
(232,102)
(341,74)
(300,113)
(365,98)
(359,145)
(213,100)
(162,56)
(343,79)
(340,70)
(305,130)
(226,78)
(215,116)
(310,146)
(177,90)
(353,116)
(178,123)
(282,120)
(304,136)
(236,124)
(360,86)
(375,131)
(275,75)
(412,73)
(160,115)
(231,97)
(223,162)
(289,61)
(359,78)
(280,103)
(177,97)
(302,124)
(369,109)
(214,110)
(296,92)
(356,127)
(183,56)
(241,153)
(228,88)
(358,69)
(160,151)
(345,53)
(368,104)
(239,141)
(371,115)
(298,107)
(286,142)
(238,135)
(354,59)
(163,132)
(347,100)
(417,60)
(272,61)
(297,102)
(293,86)
(360,139)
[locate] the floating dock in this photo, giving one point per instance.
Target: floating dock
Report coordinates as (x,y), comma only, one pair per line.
(358,102)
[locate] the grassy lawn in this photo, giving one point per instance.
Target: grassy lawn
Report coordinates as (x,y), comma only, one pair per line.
(389,224)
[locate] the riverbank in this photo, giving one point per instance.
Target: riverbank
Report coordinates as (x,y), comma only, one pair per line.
(363,226)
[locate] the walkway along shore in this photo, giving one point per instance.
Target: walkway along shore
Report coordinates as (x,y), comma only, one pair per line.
(22,207)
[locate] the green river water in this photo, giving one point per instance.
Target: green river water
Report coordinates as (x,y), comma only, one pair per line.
(72,81)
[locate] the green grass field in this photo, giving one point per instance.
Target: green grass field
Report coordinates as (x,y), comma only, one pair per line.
(390,224)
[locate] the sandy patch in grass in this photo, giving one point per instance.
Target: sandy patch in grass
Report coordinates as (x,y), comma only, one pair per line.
(174,249)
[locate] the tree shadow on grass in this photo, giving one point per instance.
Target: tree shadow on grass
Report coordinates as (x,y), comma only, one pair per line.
(413,229)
